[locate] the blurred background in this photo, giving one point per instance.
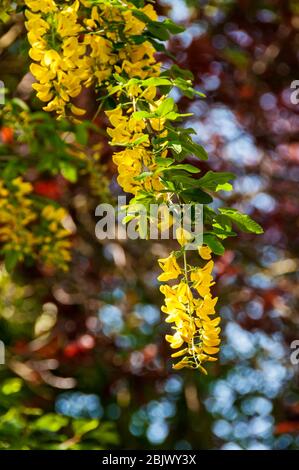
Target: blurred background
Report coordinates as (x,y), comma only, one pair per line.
(87,365)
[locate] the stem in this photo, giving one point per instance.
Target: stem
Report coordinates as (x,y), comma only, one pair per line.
(189,310)
(97,111)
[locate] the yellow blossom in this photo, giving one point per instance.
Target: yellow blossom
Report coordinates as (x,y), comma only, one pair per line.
(170,267)
(183,236)
(205,252)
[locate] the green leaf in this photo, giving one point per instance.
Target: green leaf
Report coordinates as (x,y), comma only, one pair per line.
(156,81)
(213,243)
(172,116)
(143,175)
(224,187)
(81,134)
(173,27)
(238,57)
(196,149)
(4,17)
(186,87)
(215,180)
(127,219)
(11,386)
(20,103)
(138,3)
(83,426)
(165,107)
(51,422)
(165,162)
(222,234)
(184,166)
(139,115)
(10,260)
(222,227)
(177,148)
(160,47)
(140,140)
(106,434)
(175,71)
(158,30)
(196,195)
(142,16)
(183,179)
(243,221)
(69,171)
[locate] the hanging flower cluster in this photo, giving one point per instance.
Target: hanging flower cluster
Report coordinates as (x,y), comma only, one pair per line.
(112,45)
(32,228)
(22,234)
(189,305)
(70,54)
(62,64)
(137,156)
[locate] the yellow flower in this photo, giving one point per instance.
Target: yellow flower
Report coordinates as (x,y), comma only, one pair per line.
(45,6)
(62,65)
(77,111)
(170,267)
(22,186)
(42,74)
(116,116)
(206,306)
(44,91)
(202,279)
(133,26)
(181,364)
(184,293)
(195,332)
(183,236)
(120,135)
(205,252)
(175,340)
(149,11)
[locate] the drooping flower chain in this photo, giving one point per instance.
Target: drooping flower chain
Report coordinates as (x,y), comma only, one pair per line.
(71,53)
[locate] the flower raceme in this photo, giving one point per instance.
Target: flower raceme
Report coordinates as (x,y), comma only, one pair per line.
(69,53)
(112,46)
(61,64)
(189,306)
(27,231)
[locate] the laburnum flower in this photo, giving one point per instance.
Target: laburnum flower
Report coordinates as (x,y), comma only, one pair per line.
(129,163)
(45,6)
(170,267)
(132,161)
(175,340)
(205,252)
(62,65)
(55,250)
(27,231)
(133,26)
(202,279)
(184,293)
(189,307)
(205,307)
(183,236)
